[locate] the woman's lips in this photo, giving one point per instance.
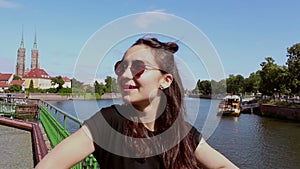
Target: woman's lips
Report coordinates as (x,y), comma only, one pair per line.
(128,88)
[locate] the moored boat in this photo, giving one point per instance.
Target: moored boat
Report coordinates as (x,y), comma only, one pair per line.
(230,106)
(249,105)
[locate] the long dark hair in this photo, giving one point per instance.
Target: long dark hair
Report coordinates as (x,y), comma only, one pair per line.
(182,154)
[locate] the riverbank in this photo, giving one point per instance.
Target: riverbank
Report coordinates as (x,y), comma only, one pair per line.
(57,97)
(216,97)
(279,112)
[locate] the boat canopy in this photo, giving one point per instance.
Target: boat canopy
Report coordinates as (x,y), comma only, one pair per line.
(232,97)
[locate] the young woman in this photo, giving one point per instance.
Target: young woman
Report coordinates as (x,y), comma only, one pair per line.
(149,131)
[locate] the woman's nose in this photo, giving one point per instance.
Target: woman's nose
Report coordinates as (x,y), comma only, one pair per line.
(127,73)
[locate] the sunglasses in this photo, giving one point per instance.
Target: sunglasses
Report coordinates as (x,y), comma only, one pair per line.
(137,67)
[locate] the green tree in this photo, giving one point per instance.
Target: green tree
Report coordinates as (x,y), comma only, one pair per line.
(15,88)
(285,81)
(65,90)
(50,90)
(114,86)
(99,88)
(251,84)
(31,87)
(58,80)
(218,88)
(293,63)
(111,85)
(108,83)
(76,84)
(271,77)
(205,87)
(16,77)
(196,89)
(90,89)
(235,84)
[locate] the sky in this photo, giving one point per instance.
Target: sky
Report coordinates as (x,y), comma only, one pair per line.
(242,33)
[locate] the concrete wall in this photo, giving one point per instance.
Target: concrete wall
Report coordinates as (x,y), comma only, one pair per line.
(280,112)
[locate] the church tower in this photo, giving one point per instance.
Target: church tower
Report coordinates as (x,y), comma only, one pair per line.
(20,67)
(35,55)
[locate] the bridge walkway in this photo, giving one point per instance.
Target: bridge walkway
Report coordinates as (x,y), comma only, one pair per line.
(15,148)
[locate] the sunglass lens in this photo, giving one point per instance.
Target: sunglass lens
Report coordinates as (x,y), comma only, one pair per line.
(119,68)
(137,68)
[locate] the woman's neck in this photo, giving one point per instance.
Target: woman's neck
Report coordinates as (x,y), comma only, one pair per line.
(149,112)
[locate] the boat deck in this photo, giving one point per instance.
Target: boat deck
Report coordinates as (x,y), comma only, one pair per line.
(15,148)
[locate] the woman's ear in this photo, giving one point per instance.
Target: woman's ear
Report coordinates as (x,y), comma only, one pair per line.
(166,81)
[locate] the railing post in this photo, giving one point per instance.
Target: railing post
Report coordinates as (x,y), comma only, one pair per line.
(65,122)
(56,114)
(57,131)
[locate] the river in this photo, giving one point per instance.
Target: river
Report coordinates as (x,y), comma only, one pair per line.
(250,141)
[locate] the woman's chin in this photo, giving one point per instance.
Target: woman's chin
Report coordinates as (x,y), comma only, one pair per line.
(126,99)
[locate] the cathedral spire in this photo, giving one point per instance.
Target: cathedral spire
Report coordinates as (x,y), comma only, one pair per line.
(35,63)
(35,42)
(20,67)
(22,40)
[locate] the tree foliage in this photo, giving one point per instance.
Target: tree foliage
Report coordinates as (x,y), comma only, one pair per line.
(100,88)
(271,77)
(16,77)
(108,84)
(58,81)
(15,88)
(76,84)
(293,63)
(204,87)
(251,84)
(235,84)
(210,87)
(31,87)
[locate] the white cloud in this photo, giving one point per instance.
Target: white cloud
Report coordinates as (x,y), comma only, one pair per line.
(148,18)
(8,4)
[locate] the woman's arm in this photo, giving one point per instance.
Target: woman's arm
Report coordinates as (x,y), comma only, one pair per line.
(70,151)
(210,158)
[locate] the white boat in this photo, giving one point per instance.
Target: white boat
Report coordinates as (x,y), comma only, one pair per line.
(230,106)
(249,105)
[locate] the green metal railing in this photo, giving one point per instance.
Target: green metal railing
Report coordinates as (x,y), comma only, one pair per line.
(54,120)
(56,132)
(19,108)
(7,109)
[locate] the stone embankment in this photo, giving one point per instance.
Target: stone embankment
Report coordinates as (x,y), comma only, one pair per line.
(55,97)
(280,112)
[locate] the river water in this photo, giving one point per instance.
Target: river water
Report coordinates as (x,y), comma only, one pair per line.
(250,141)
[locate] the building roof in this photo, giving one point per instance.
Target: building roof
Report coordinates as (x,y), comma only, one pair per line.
(37,73)
(3,84)
(19,82)
(66,79)
(5,76)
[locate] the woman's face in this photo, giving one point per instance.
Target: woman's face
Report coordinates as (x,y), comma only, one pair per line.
(139,87)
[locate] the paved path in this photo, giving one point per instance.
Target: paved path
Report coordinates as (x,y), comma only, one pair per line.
(15,148)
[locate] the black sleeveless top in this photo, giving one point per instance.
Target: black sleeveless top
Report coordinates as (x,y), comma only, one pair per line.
(111,152)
